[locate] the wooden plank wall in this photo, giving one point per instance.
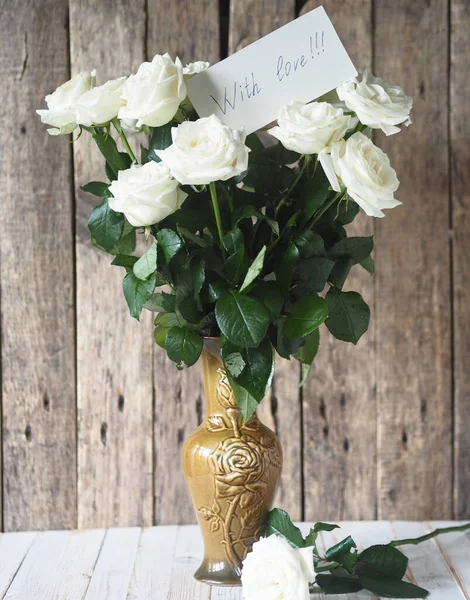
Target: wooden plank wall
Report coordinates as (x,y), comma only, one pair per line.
(94,415)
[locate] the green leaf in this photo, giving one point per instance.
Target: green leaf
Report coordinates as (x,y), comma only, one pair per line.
(160,139)
(340,548)
(242,319)
(354,249)
(236,266)
(307,352)
(147,263)
(306,315)
(309,243)
(340,272)
(247,212)
(279,523)
(277,154)
(285,269)
(169,242)
(311,538)
(183,345)
(313,274)
(144,155)
(337,585)
(386,559)
(245,401)
(368,265)
(122,260)
(97,188)
(127,241)
(163,323)
(106,226)
(234,364)
(316,193)
(348,315)
(115,160)
(137,292)
(161,302)
(192,237)
(254,269)
(388,587)
(270,295)
(258,371)
(198,274)
(185,299)
(233,240)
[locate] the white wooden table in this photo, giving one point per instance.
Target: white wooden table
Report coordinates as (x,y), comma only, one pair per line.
(158,563)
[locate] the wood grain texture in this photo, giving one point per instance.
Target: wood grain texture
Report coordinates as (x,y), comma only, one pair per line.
(13,549)
(114,352)
(189,30)
(38,568)
(280,410)
(413,270)
(339,399)
(36,274)
(460,160)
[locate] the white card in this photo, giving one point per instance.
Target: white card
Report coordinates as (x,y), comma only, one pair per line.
(300,61)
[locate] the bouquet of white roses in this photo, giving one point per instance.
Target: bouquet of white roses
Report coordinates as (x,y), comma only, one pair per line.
(242,239)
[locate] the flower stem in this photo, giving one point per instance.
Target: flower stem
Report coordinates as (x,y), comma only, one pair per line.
(428,536)
(218,220)
(124,139)
(323,210)
(307,159)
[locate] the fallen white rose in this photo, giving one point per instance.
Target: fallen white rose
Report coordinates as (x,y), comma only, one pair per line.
(205,150)
(377,104)
(154,93)
(310,128)
(146,194)
(365,171)
(274,570)
(60,112)
(100,104)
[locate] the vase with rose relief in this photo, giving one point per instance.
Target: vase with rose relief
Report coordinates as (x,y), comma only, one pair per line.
(232,469)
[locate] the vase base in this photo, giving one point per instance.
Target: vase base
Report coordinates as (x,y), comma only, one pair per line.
(217,574)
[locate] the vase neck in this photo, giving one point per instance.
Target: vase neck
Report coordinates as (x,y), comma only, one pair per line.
(219,394)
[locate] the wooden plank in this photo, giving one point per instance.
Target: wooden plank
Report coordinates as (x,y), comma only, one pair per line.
(36,274)
(190,31)
(226,593)
(75,568)
(281,409)
(188,556)
(114,352)
(339,400)
(412,265)
(460,159)
(13,549)
(113,571)
(151,576)
(38,568)
(427,567)
(455,548)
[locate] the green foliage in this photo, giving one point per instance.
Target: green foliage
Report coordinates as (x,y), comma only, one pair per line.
(257,279)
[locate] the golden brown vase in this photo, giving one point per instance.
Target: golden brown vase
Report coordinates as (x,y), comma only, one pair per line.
(231,469)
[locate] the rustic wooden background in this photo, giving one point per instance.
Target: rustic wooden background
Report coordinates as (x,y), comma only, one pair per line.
(93,414)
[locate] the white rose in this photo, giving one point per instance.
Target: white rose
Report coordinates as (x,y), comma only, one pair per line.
(274,570)
(365,171)
(100,104)
(130,125)
(195,68)
(60,111)
(377,104)
(146,194)
(309,128)
(205,150)
(155,92)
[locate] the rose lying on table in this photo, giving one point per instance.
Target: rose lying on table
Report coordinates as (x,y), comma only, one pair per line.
(284,565)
